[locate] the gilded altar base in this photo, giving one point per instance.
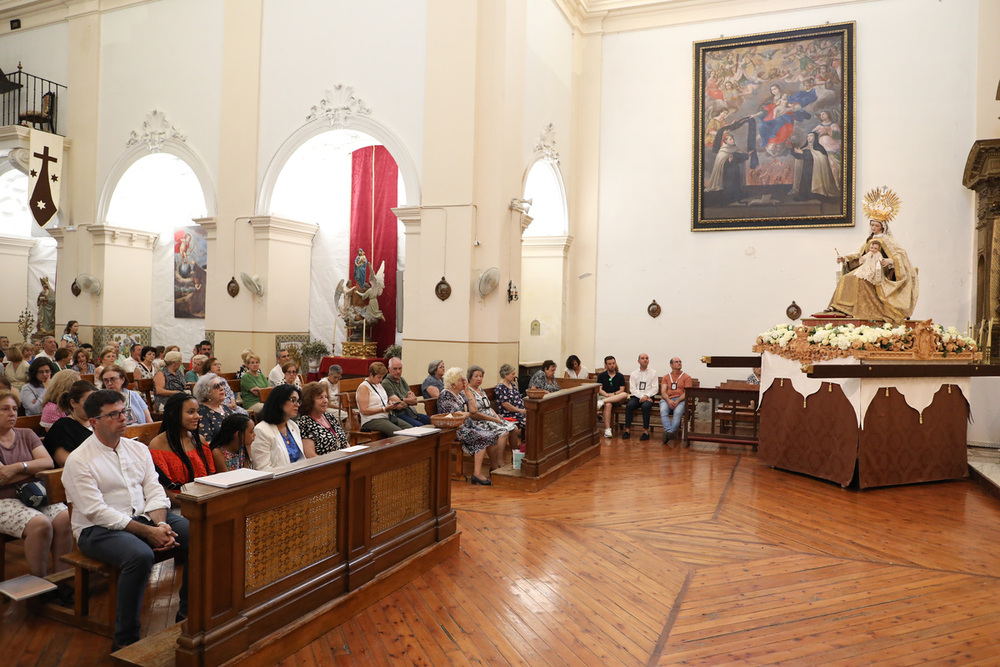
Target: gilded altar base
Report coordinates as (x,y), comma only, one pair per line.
(358,350)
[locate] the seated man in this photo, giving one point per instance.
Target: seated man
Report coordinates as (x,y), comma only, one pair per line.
(611,391)
(643,385)
(120,510)
(672,404)
(395,385)
(277,375)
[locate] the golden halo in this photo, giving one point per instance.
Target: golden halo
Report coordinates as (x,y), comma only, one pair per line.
(881,204)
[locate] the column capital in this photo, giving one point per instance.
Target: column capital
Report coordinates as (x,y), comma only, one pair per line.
(122,236)
(210,225)
(271,228)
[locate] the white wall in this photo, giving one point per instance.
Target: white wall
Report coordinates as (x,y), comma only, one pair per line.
(377,46)
(915,124)
(548,80)
(42,51)
(166,56)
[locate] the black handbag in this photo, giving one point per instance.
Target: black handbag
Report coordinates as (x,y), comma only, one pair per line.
(32,494)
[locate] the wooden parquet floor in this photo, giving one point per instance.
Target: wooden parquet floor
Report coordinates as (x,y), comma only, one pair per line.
(660,555)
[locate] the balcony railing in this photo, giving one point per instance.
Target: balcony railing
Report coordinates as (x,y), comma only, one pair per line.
(21,104)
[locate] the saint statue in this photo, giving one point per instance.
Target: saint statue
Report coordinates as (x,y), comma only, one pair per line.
(360,269)
(46,303)
(860,293)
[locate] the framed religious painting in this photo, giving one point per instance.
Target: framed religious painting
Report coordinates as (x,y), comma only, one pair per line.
(774,130)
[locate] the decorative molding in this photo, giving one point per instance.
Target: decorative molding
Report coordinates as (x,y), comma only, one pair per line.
(16,246)
(410,217)
(982,175)
(211,227)
(339,106)
(123,237)
(155,130)
(526,221)
(539,247)
(545,147)
(271,228)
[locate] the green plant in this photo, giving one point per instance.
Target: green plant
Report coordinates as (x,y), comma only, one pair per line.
(314,349)
(393,351)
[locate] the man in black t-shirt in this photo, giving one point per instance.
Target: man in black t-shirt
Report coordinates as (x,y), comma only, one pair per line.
(612,390)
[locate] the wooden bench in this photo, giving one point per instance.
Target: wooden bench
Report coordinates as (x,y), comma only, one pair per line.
(144,433)
(32,422)
(83,568)
(731,413)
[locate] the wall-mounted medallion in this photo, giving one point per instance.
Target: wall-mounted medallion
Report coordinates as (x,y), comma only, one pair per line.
(442,290)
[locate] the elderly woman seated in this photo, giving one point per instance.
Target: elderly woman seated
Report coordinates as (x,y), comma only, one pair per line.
(432,384)
(508,398)
(170,380)
(321,432)
(375,404)
(210,392)
(479,432)
(545,378)
(46,529)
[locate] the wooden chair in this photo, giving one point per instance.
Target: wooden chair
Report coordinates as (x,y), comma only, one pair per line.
(147,388)
(33,422)
(348,403)
(83,567)
(264,393)
(230,376)
(45,115)
(144,433)
(87,377)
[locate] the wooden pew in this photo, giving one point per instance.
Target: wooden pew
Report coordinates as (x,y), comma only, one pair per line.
(33,422)
(83,568)
(144,433)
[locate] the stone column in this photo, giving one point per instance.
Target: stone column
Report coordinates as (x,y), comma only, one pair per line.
(543,276)
(982,174)
(14,277)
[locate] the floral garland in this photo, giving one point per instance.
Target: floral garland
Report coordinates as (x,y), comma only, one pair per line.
(833,341)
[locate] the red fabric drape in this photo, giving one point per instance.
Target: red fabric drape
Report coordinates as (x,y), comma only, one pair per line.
(374,181)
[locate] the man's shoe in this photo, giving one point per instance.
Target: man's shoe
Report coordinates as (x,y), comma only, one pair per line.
(607,433)
(644,436)
(180,617)
(666,437)
(600,403)
(626,435)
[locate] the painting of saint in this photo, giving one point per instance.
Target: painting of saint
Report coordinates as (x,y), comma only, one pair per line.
(774,130)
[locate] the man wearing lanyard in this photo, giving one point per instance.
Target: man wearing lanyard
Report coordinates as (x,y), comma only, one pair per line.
(642,385)
(672,404)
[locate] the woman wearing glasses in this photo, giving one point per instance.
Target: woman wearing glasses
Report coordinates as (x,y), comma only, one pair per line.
(278,441)
(136,410)
(210,390)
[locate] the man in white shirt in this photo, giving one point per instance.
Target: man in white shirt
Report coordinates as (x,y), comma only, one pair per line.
(643,384)
(49,347)
(120,510)
(133,359)
(276,375)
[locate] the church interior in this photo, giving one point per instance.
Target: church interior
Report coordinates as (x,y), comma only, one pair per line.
(224,165)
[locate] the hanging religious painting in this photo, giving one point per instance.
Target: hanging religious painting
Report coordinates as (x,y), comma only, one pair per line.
(190,264)
(774,130)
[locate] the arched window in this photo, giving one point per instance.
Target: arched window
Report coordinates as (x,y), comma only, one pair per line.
(314,186)
(161,193)
(544,187)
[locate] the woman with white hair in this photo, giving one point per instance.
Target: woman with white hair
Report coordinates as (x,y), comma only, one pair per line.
(210,390)
(475,436)
(170,380)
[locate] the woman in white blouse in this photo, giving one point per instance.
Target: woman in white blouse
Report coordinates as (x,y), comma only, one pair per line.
(574,369)
(278,441)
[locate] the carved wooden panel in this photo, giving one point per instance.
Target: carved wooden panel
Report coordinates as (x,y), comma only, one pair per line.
(581,416)
(400,494)
(555,426)
(286,539)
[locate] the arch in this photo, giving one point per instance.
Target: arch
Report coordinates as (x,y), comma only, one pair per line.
(173,147)
(358,123)
(550,169)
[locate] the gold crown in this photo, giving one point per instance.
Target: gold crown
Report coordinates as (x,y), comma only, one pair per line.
(881,204)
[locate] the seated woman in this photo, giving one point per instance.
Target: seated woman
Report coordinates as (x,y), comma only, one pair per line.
(58,385)
(211,396)
(290,372)
(146,368)
(331,383)
(63,358)
(47,529)
(17,369)
(374,404)
(474,435)
(545,378)
(251,383)
(40,373)
(170,380)
(321,432)
(69,432)
(197,362)
(81,362)
(432,384)
(108,357)
(231,445)
(278,441)
(213,365)
(508,398)
(245,356)
(178,454)
(136,410)
(481,408)
(574,369)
